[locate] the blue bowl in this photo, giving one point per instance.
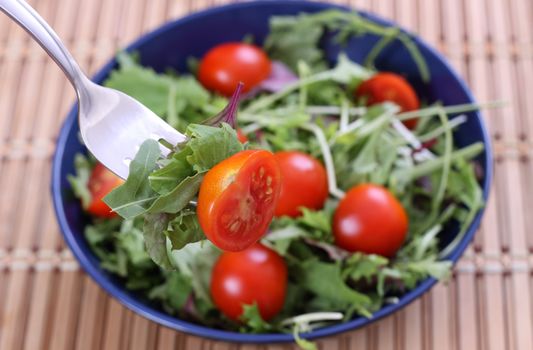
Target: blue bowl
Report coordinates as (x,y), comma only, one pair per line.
(169,46)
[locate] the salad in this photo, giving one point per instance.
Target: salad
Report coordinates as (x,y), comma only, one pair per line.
(322,199)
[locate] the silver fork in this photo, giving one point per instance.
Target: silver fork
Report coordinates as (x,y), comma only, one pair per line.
(112,124)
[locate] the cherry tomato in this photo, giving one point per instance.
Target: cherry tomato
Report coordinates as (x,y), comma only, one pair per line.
(225,65)
(255,275)
(390,87)
(241,136)
(237,199)
(304,183)
(101,182)
(370,219)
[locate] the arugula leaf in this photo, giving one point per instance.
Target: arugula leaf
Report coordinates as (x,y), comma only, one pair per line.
(365,266)
(325,281)
(174,292)
(436,269)
(134,196)
(119,246)
(281,239)
(211,145)
(253,321)
(156,240)
(80,181)
(463,185)
(131,239)
(317,219)
(405,175)
(98,235)
(184,229)
(345,71)
(179,197)
(168,177)
(196,260)
(294,38)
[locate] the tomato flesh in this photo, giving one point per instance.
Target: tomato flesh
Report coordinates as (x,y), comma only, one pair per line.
(370,219)
(390,87)
(237,199)
(225,65)
(255,275)
(101,182)
(304,183)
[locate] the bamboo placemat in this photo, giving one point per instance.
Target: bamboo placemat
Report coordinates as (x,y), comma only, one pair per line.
(47,302)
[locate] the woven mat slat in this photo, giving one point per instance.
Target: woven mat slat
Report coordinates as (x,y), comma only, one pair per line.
(522,324)
(40,306)
(493,325)
(467,315)
(114,313)
(90,325)
(18,285)
(47,302)
(166,338)
(67,299)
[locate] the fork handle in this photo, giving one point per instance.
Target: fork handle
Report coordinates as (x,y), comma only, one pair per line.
(36,26)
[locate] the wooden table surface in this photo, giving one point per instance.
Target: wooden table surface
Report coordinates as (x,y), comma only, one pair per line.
(46,301)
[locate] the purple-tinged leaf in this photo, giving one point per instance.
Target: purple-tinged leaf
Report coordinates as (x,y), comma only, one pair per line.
(190,307)
(280,76)
(335,253)
(229,113)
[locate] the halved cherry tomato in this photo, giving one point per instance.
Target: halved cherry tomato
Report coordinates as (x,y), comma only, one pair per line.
(225,65)
(101,182)
(237,199)
(391,87)
(304,183)
(240,135)
(255,275)
(371,220)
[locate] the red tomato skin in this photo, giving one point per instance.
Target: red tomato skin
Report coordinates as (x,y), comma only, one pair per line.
(371,220)
(225,65)
(237,199)
(304,183)
(391,87)
(101,182)
(255,275)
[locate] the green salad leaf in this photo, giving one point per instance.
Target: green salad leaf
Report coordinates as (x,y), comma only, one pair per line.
(177,199)
(292,39)
(156,240)
(174,292)
(196,261)
(324,280)
(211,145)
(80,182)
(184,229)
(176,169)
(135,196)
(253,320)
